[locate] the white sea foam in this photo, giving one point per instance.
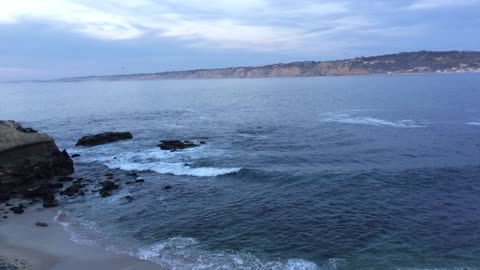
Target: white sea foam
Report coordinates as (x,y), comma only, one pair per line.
(473,123)
(349,119)
(178,253)
(164,162)
(185,253)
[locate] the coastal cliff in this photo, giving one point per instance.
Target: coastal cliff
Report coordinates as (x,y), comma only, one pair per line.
(27,160)
(409,62)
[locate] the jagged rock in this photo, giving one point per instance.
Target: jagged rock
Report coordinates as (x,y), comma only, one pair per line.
(167,187)
(174,145)
(103,138)
(75,155)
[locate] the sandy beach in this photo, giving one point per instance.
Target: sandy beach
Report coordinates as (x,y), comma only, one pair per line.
(23,245)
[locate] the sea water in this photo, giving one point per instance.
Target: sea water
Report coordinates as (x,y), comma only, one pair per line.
(359,172)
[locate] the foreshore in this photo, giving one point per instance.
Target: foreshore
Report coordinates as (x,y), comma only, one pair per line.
(24,245)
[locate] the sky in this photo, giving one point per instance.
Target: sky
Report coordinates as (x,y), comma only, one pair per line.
(44,39)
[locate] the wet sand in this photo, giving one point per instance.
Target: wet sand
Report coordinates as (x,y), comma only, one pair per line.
(23,245)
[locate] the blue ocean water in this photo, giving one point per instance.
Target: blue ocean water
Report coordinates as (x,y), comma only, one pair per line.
(360,172)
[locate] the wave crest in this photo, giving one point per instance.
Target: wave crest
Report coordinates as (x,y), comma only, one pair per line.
(163,162)
(349,119)
(184,253)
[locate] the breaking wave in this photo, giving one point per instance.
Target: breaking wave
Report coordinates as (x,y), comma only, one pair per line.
(178,253)
(473,123)
(349,119)
(185,253)
(163,162)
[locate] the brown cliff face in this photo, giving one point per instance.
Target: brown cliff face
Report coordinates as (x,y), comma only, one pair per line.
(412,62)
(27,156)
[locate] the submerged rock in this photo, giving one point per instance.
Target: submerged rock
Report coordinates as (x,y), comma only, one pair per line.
(174,145)
(107,187)
(103,138)
(41,224)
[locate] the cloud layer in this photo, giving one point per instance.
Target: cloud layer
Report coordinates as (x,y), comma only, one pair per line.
(252,24)
(277,30)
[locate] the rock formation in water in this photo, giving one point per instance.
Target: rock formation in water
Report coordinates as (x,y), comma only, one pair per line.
(103,138)
(174,145)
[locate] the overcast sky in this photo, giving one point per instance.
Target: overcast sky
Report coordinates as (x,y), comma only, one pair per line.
(58,38)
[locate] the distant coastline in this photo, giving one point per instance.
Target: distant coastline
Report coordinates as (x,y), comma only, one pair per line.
(407,62)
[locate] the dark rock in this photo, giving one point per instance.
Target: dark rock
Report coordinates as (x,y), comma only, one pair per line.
(26,130)
(75,155)
(5,217)
(49,201)
(133,174)
(103,138)
(65,179)
(107,187)
(18,209)
(55,185)
(129,182)
(37,191)
(41,224)
(71,190)
(4,197)
(139,180)
(104,193)
(174,145)
(7,204)
(203,142)
(129,198)
(167,187)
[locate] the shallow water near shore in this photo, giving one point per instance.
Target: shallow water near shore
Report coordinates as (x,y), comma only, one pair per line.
(367,172)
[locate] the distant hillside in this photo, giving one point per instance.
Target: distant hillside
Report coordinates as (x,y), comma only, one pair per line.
(409,62)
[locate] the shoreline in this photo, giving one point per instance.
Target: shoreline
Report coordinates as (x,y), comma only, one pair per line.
(29,247)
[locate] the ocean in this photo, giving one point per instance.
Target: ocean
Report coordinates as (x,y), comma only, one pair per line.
(355,172)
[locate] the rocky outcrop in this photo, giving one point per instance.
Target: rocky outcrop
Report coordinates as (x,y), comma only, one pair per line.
(103,138)
(174,145)
(27,160)
(107,187)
